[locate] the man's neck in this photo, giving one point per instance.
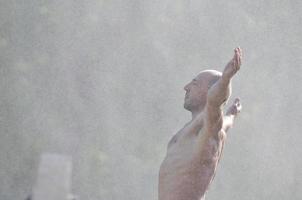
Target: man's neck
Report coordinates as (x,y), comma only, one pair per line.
(197,112)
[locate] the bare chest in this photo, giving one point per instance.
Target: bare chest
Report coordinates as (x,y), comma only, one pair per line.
(182,175)
(181,146)
(183,142)
(179,155)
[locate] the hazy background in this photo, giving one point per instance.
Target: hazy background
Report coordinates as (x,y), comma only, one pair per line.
(103,81)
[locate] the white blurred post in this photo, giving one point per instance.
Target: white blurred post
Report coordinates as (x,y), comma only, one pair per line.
(54,178)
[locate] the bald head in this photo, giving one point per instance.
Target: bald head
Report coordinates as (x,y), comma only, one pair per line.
(197,89)
(209,77)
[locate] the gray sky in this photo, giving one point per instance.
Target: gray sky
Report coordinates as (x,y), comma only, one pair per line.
(103,81)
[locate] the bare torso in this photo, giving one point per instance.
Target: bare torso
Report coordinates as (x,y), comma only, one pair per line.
(182,175)
(194,152)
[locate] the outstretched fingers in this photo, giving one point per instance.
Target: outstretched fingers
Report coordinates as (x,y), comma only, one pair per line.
(235,108)
(237,57)
(234,65)
(238,105)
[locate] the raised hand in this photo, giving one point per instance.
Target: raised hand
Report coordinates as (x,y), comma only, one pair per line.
(235,108)
(234,65)
(231,114)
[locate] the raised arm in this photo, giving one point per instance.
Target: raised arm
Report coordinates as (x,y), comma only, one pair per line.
(219,92)
(212,137)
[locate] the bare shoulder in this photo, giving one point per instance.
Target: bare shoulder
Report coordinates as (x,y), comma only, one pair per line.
(217,132)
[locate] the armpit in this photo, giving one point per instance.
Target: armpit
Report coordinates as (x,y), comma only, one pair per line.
(210,151)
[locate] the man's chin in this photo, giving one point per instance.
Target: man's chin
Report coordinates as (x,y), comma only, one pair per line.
(187,107)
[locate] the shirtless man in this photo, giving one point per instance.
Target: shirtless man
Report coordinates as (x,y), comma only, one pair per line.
(194,152)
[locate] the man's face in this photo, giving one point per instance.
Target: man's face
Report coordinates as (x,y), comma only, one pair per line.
(196,93)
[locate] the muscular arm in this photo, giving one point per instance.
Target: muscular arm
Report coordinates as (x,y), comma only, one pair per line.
(217,95)
(210,140)
(213,133)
